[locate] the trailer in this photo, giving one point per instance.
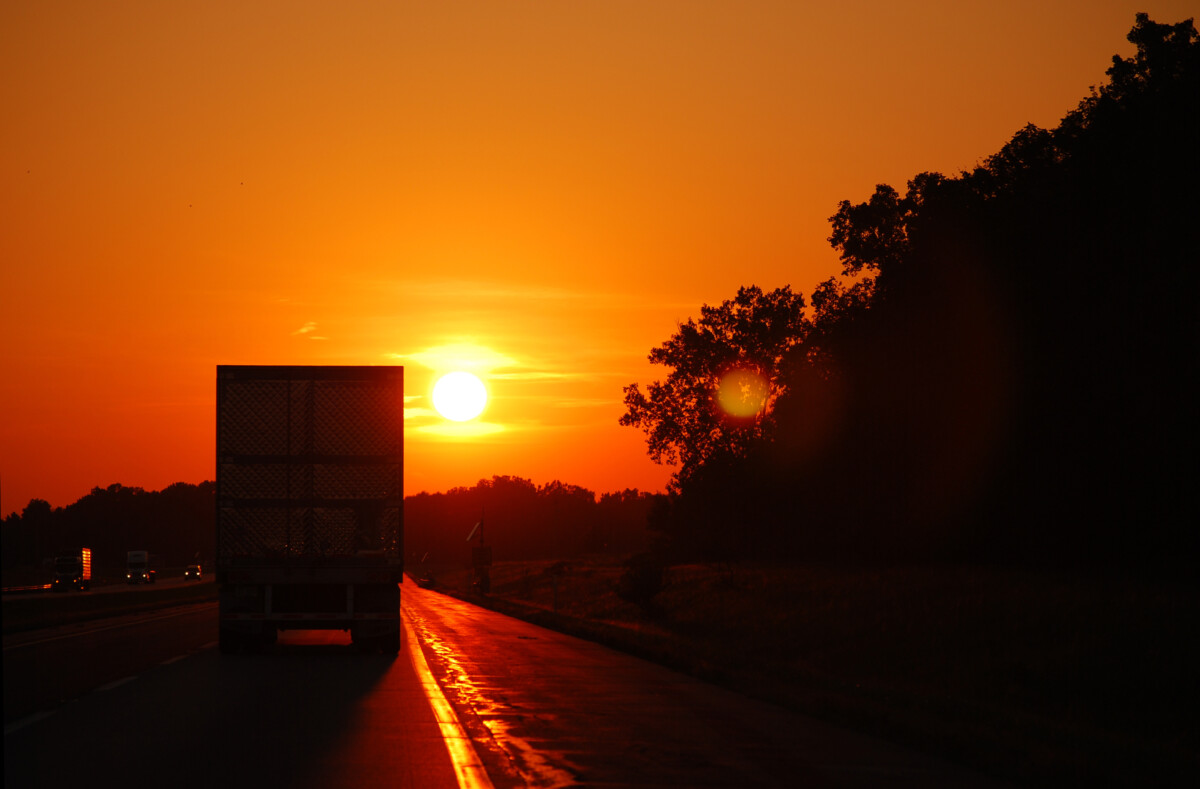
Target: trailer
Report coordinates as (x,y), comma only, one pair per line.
(72,570)
(310,470)
(138,569)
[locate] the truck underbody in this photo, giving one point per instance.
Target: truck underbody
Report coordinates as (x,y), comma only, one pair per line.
(255,606)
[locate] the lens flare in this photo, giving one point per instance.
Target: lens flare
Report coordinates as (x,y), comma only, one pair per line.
(742,392)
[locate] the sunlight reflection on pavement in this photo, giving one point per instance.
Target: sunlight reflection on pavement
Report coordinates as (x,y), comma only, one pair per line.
(549,710)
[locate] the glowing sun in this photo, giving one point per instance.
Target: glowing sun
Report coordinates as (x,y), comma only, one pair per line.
(459,396)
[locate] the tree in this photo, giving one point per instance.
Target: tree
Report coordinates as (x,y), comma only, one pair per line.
(1022,359)
(1008,366)
(724,378)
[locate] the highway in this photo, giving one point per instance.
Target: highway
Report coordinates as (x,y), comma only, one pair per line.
(109,585)
(148,699)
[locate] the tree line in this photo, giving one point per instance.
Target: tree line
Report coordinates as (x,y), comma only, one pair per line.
(521,520)
(176,524)
(1005,369)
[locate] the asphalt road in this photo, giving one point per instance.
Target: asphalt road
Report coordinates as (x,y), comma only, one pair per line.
(546,709)
(147,699)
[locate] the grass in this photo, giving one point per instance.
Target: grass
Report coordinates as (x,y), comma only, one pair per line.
(1043,677)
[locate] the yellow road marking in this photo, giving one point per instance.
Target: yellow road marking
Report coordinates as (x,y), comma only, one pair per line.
(467,766)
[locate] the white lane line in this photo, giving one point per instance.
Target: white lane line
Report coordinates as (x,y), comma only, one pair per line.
(21,724)
(175,659)
(89,631)
(114,684)
(467,766)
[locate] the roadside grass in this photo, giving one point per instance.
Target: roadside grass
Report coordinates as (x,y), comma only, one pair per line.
(1042,677)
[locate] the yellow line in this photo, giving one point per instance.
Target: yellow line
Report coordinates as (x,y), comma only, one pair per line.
(467,766)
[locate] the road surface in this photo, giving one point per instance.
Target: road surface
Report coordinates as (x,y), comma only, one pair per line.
(150,695)
(315,713)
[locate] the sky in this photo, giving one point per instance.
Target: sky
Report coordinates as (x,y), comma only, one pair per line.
(537,192)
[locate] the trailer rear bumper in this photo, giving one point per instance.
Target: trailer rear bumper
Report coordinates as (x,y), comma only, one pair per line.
(338,620)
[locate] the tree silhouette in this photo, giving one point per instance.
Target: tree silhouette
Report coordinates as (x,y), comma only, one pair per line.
(735,350)
(1018,354)
(175,524)
(1007,368)
(524,521)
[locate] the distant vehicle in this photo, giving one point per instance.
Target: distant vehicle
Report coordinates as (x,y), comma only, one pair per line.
(192,571)
(310,501)
(137,568)
(72,571)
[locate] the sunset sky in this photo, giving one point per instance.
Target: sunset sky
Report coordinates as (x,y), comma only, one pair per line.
(537,192)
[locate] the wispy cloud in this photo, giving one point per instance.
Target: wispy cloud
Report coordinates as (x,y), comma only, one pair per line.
(419,412)
(585,402)
(458,356)
(536,375)
(307,331)
(475,292)
(464,431)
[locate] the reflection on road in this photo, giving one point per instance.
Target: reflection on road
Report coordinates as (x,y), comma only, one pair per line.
(468,768)
(548,710)
(534,768)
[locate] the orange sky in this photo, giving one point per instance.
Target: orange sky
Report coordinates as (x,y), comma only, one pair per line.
(540,190)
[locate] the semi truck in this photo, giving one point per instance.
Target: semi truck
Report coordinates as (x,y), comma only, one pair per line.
(138,569)
(310,526)
(72,570)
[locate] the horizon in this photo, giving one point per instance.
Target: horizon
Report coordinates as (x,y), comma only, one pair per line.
(535,195)
(539,485)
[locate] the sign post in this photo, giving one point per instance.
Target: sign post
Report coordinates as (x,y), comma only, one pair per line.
(481,560)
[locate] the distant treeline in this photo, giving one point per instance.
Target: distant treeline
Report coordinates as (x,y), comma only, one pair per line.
(175,524)
(1008,367)
(520,520)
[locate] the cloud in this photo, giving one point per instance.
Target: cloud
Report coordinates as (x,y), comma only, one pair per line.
(475,292)
(453,356)
(307,330)
(536,375)
(584,402)
(462,430)
(420,413)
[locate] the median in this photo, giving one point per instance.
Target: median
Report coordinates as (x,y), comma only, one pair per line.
(50,609)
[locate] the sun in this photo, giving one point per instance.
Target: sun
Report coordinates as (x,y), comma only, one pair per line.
(459,396)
